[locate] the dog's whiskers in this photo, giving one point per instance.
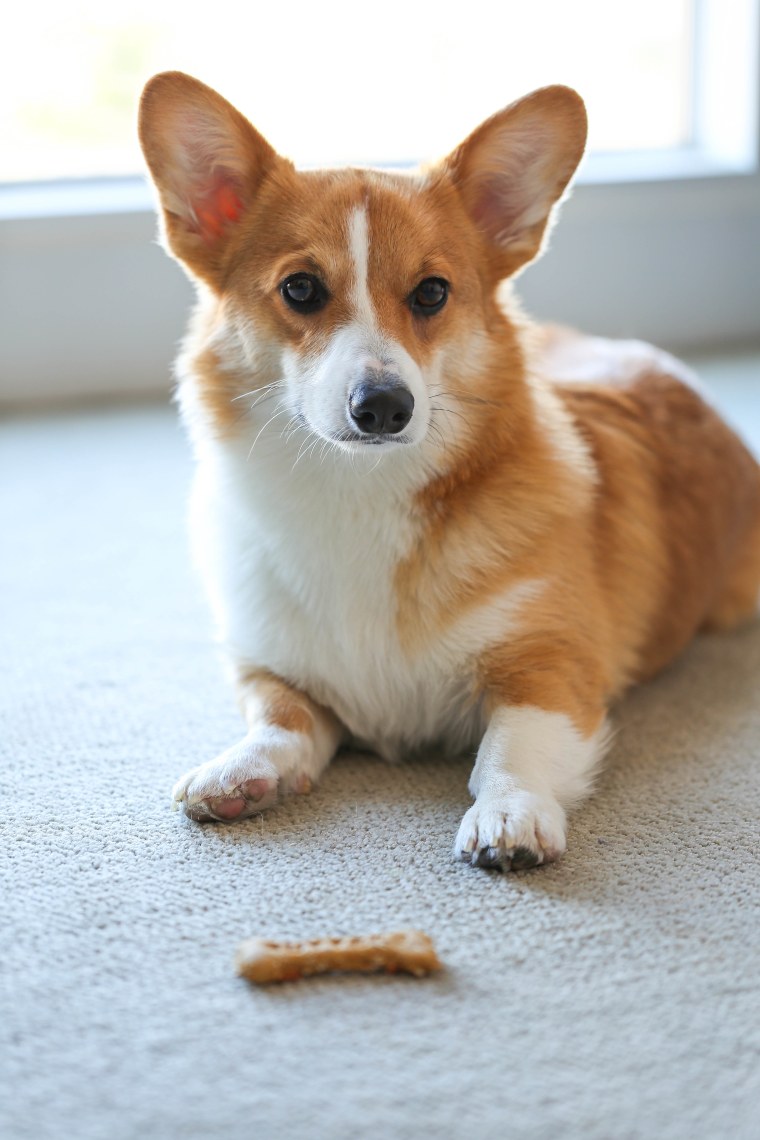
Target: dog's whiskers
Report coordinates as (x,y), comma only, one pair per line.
(449,411)
(291,427)
(260,393)
(281,411)
(307,446)
(467,399)
(375,465)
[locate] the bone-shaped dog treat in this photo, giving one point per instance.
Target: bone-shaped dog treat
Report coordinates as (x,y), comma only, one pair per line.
(410,951)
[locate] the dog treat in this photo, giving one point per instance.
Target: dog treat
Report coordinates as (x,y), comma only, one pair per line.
(410,951)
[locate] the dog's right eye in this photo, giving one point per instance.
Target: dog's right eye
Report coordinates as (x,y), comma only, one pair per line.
(303,292)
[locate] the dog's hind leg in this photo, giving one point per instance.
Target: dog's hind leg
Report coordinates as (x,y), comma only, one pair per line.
(289,743)
(739,601)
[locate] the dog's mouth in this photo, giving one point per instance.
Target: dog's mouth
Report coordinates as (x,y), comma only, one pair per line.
(355,437)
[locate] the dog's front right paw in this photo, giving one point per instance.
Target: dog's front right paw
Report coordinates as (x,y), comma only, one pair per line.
(246,779)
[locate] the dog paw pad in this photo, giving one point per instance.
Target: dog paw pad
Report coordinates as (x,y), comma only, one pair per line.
(227,807)
(256,789)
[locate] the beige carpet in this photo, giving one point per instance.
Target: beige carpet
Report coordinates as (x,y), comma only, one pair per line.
(614,995)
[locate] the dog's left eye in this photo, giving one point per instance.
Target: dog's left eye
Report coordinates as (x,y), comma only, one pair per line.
(303,292)
(430,296)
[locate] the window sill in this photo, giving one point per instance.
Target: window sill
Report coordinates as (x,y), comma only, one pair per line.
(129,195)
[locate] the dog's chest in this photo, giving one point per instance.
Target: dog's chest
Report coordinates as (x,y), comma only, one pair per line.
(301,572)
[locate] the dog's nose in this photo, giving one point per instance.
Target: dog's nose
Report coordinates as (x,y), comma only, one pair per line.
(381,409)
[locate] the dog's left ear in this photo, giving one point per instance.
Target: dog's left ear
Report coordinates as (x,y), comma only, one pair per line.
(514,168)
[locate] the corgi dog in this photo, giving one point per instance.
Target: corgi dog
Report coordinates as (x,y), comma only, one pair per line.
(423,523)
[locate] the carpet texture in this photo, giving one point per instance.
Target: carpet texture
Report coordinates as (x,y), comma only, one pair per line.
(612,995)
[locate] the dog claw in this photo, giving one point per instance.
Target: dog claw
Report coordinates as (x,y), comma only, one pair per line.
(487,857)
(523,858)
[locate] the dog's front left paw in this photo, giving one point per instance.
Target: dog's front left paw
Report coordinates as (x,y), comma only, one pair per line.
(248,778)
(512,832)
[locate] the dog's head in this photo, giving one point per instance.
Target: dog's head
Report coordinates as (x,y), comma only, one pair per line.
(365,294)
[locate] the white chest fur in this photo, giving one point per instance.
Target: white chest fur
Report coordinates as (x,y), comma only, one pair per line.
(299,558)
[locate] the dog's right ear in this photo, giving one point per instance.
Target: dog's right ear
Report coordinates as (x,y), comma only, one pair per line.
(207,162)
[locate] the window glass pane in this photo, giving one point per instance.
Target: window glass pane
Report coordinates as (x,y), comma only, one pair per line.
(336,81)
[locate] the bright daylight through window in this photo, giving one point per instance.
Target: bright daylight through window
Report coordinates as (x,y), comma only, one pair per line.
(70,74)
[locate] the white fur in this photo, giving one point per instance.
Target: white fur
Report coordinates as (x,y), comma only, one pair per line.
(320,385)
(358,229)
(299,561)
(531,766)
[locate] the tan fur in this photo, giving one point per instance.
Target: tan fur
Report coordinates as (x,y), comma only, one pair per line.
(665,541)
(267,699)
(630,502)
(699,510)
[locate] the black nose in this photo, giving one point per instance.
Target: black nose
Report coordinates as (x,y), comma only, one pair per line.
(381,409)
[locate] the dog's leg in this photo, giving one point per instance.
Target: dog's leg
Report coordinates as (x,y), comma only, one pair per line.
(289,743)
(532,764)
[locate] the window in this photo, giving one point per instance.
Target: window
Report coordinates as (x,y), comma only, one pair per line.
(651,244)
(345,82)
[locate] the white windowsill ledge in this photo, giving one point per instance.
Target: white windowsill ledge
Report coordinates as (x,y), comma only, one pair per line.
(89,197)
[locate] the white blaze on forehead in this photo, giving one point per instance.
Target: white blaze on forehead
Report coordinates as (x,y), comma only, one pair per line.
(358,237)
